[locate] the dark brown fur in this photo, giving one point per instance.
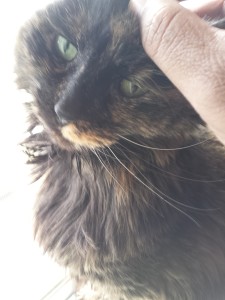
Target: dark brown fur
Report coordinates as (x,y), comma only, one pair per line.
(135,221)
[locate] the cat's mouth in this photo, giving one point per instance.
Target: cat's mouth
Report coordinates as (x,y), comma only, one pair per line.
(86,137)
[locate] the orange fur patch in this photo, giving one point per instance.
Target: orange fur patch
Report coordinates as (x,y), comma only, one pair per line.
(87,138)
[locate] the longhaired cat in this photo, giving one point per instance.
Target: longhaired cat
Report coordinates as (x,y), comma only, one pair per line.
(133,193)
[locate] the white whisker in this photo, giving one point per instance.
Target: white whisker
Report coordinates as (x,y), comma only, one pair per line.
(170,173)
(164,149)
(157,194)
(115,177)
(158,190)
(106,155)
(107,169)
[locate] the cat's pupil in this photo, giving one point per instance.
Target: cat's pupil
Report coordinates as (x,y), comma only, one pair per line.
(134,88)
(66,46)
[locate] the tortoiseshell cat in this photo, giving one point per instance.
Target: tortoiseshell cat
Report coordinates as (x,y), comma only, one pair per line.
(133,198)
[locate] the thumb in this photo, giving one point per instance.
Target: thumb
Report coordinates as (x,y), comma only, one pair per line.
(176,39)
(191,54)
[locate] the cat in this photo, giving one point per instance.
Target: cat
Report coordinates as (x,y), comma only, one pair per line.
(133,194)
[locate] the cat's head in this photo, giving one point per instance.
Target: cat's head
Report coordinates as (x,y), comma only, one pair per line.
(92,83)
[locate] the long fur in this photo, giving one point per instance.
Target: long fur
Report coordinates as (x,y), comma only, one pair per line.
(133,193)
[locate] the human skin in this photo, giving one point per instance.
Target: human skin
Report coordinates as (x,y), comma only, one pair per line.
(189,51)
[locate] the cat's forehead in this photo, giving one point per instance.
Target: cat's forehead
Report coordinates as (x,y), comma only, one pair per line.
(85,17)
(97,8)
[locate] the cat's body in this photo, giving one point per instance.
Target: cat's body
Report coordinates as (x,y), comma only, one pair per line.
(134,221)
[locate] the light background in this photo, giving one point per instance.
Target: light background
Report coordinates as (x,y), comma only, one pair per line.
(24,272)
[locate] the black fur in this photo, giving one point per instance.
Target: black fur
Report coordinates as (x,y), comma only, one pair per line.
(137,222)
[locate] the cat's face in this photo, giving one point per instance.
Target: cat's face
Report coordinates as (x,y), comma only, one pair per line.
(92,82)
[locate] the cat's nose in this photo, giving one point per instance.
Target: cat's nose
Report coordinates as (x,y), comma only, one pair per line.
(64,116)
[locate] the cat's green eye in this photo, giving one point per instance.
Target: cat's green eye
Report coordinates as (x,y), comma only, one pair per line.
(131,88)
(66,49)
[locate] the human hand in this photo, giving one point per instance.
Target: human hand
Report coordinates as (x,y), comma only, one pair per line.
(189,51)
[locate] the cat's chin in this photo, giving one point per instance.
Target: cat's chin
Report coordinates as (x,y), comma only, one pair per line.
(86,138)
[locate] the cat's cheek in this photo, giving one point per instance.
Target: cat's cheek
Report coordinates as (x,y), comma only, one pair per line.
(129,122)
(87,138)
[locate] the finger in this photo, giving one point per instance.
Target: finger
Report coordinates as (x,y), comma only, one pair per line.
(210,8)
(177,40)
(190,53)
(203,8)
